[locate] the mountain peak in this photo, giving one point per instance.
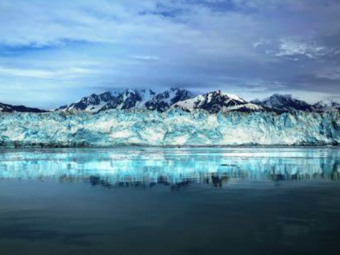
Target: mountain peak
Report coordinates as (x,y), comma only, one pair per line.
(163,101)
(286,103)
(279,98)
(216,101)
(326,105)
(287,96)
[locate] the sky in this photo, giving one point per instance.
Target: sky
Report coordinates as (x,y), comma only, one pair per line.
(53,52)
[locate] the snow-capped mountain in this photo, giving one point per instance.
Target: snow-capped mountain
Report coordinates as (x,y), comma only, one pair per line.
(323,106)
(212,102)
(91,103)
(166,99)
(285,103)
(216,101)
(18,108)
(129,99)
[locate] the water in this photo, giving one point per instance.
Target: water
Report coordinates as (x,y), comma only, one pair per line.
(170,201)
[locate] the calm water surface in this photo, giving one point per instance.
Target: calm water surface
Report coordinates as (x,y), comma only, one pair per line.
(170,201)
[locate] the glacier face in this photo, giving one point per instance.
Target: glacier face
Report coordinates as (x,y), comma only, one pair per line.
(171,128)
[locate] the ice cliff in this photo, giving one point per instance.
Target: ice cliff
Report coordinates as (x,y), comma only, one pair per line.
(171,128)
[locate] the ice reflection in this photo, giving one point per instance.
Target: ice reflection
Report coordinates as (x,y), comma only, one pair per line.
(176,168)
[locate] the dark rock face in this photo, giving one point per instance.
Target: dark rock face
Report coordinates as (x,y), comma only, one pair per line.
(18,108)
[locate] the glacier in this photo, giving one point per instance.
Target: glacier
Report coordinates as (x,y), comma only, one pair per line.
(174,127)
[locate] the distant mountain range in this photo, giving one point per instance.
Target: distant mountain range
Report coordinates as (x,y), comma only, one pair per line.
(129,99)
(212,102)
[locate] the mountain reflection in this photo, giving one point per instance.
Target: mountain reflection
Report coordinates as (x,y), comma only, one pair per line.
(173,168)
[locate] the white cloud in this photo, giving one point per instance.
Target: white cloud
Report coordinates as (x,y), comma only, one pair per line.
(292,48)
(147,58)
(74,72)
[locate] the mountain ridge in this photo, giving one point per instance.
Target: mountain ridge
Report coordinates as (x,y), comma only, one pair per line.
(212,102)
(18,108)
(286,102)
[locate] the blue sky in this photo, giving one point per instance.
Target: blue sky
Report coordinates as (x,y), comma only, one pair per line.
(53,52)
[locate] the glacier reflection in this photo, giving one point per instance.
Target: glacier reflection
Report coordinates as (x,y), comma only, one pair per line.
(177,168)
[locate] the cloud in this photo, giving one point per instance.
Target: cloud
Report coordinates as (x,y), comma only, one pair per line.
(85,46)
(147,58)
(46,74)
(294,48)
